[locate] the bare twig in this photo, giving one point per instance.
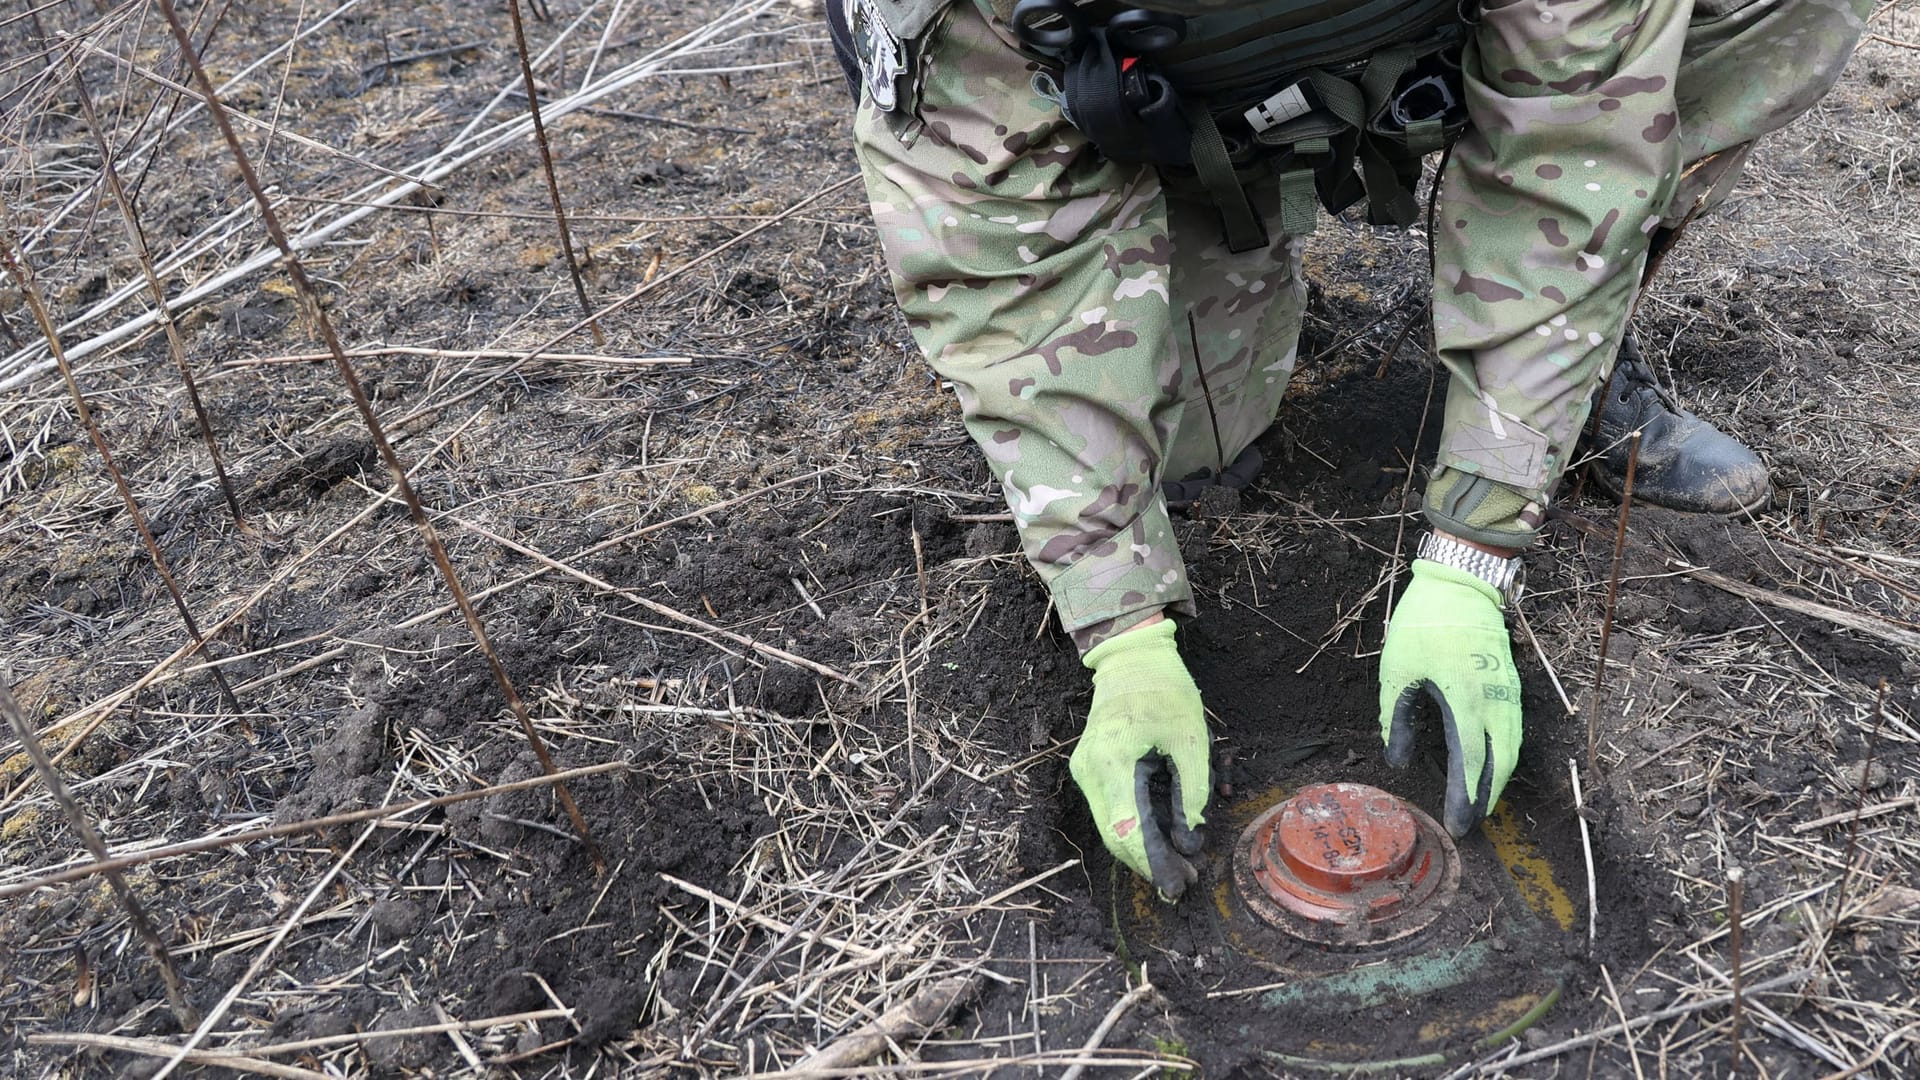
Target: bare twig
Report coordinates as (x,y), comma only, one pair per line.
(311,295)
(1901,634)
(1858,814)
(1736,886)
(655,606)
(467,354)
(22,275)
(1127,1001)
(1613,994)
(150,1048)
(137,236)
(924,1012)
(321,1041)
(1879,1052)
(546,166)
(210,843)
(1586,849)
(77,820)
(1613,595)
(1142,1062)
(1859,798)
(1553,676)
(1638,1022)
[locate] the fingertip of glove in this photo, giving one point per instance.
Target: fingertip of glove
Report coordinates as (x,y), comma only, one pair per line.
(1186,841)
(1459,816)
(1174,878)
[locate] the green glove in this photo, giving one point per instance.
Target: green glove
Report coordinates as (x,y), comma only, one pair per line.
(1146,717)
(1448,640)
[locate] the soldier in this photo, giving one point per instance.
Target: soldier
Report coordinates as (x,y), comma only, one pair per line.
(1092,215)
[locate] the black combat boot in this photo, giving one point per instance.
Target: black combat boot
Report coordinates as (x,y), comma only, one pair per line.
(1685,462)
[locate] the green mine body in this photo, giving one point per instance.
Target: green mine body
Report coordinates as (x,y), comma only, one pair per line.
(1482,972)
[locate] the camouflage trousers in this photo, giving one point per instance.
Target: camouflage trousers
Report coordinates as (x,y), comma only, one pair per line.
(1101,337)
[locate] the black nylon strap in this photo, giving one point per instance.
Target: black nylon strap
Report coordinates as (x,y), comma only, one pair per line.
(1210,159)
(1133,117)
(841,35)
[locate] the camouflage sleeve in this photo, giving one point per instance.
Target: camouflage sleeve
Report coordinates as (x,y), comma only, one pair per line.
(1593,122)
(1035,277)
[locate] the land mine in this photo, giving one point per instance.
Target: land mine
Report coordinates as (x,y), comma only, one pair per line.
(756,591)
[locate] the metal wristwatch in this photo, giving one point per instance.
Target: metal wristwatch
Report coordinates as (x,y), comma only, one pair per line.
(1502,574)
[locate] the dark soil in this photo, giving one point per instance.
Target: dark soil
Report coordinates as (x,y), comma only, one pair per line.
(883,815)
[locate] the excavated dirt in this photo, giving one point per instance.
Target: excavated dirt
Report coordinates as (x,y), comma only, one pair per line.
(892,814)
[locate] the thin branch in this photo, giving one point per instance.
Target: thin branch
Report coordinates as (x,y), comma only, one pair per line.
(1859,799)
(218,1058)
(1613,594)
(311,295)
(77,820)
(23,276)
(291,828)
(138,237)
(1638,1022)
(1127,1001)
(546,166)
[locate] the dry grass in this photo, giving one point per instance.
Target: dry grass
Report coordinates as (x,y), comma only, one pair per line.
(699,494)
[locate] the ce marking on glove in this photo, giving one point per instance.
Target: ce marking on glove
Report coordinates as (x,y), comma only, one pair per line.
(1485,662)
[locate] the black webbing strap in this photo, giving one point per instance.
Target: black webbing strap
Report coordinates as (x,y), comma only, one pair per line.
(1146,126)
(841,35)
(1215,168)
(1383,166)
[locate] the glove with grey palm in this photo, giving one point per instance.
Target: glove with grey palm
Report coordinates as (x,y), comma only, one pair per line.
(1448,641)
(1146,718)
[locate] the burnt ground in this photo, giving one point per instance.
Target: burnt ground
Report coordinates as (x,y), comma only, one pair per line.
(791,853)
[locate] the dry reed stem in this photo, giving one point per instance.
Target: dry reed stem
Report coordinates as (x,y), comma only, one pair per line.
(22,275)
(1860,798)
(1620,1010)
(294,828)
(143,925)
(917,1016)
(137,237)
(1128,1000)
(242,1063)
(1736,886)
(316,310)
(1613,595)
(654,605)
(323,1041)
(1868,623)
(1586,850)
(1672,1012)
(546,169)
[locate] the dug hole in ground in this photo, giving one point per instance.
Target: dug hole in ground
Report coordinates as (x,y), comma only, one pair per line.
(746,549)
